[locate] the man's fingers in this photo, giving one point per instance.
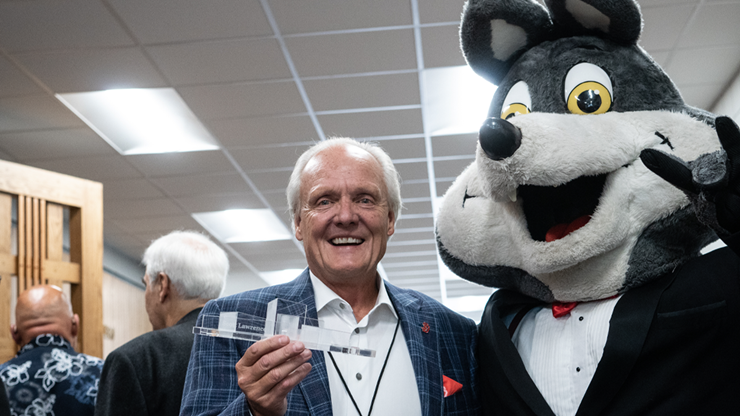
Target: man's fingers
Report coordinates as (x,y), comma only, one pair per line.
(271,368)
(260,348)
(670,168)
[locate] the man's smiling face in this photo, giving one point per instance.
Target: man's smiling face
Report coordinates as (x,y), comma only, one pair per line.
(344,218)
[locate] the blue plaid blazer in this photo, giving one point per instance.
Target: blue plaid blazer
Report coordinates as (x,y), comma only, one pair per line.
(446,349)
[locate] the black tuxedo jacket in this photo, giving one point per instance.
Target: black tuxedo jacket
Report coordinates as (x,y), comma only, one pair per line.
(673,349)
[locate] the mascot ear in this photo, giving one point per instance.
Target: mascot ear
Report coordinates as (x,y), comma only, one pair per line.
(494,33)
(617,20)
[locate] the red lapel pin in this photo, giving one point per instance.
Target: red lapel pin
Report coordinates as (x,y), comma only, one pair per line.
(425,328)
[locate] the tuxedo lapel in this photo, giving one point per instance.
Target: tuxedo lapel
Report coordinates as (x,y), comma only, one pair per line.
(315,387)
(494,343)
(628,328)
(423,347)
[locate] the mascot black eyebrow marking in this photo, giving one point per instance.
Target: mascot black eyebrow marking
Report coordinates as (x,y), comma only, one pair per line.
(466,197)
(665,140)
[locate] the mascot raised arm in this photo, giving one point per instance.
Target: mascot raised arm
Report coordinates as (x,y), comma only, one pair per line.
(594,189)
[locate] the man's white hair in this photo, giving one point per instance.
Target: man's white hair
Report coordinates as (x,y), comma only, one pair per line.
(390,174)
(196,266)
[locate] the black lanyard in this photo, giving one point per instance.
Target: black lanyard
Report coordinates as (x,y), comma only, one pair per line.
(382,370)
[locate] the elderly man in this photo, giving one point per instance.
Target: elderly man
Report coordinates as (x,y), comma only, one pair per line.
(344,197)
(184,270)
(47,376)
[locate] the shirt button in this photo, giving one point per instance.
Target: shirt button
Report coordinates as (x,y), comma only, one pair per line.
(357,330)
(341,305)
(578,369)
(359,376)
(580,318)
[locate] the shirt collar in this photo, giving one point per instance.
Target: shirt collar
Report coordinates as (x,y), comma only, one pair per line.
(323,296)
(46,340)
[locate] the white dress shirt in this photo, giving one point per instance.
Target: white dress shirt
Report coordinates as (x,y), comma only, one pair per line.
(561,354)
(398,393)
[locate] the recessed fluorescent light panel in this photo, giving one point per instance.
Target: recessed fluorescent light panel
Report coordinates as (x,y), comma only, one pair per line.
(456,100)
(280,276)
(243,225)
(141,120)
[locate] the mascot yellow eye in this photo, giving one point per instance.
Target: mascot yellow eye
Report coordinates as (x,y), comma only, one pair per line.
(517,101)
(515,109)
(588,90)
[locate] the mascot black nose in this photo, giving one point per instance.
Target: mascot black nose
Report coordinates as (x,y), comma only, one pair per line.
(499,138)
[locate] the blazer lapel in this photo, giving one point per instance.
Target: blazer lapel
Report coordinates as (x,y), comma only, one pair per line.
(494,342)
(315,387)
(423,348)
(628,329)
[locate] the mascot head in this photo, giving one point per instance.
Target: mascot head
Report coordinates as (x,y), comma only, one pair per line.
(558,204)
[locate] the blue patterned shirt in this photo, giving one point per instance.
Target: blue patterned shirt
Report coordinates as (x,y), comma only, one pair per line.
(48,377)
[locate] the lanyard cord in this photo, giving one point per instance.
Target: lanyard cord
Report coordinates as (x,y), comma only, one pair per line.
(382,370)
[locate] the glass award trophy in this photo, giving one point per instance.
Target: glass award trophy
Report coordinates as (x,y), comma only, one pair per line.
(282,318)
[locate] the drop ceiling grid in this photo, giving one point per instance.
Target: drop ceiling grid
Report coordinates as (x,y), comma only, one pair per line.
(356,63)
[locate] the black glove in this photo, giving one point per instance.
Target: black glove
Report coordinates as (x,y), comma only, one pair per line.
(712,178)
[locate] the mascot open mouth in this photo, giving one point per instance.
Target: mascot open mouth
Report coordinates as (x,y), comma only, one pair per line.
(552,212)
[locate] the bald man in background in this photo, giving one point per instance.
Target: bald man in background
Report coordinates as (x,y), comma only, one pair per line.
(48,376)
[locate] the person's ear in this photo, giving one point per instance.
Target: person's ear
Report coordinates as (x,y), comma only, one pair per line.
(165,286)
(297,226)
(75,324)
(391,223)
(15,334)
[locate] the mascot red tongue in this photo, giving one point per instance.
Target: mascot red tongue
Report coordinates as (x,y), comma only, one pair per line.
(561,230)
(616,312)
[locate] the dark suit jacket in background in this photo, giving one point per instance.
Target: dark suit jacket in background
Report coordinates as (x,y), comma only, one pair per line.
(4,404)
(446,349)
(145,375)
(673,349)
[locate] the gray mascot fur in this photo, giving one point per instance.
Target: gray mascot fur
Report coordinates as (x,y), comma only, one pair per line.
(595,185)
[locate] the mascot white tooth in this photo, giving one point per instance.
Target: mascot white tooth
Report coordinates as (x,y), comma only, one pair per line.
(593,191)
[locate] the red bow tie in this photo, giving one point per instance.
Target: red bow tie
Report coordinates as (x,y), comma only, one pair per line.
(562,308)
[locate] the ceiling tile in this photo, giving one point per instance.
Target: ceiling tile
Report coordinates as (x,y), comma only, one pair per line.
(203,185)
(663,25)
(212,203)
(243,100)
(420,207)
(451,168)
(325,15)
(35,112)
(372,124)
(49,24)
(441,46)
(455,145)
(703,30)
(404,148)
(130,189)
(237,60)
(414,222)
(403,237)
(182,163)
(264,130)
(412,171)
(97,168)
(53,144)
(13,82)
(434,11)
(425,246)
(187,20)
(142,208)
(363,91)
(415,190)
(277,263)
(443,185)
(349,53)
(278,201)
(267,248)
(163,224)
(268,157)
(265,181)
(702,95)
(725,62)
(5,156)
(93,70)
